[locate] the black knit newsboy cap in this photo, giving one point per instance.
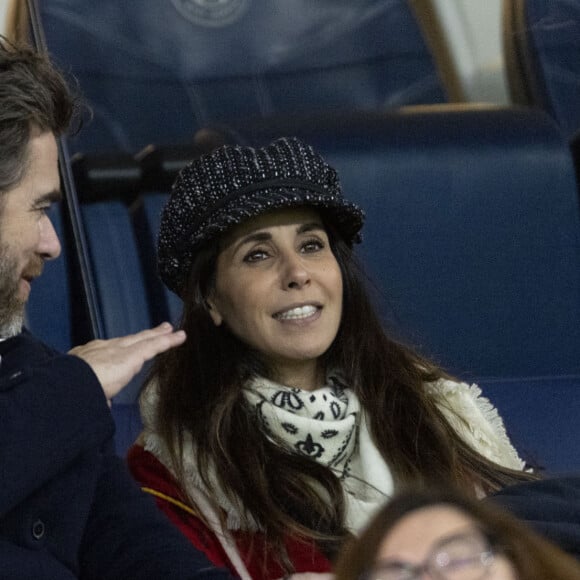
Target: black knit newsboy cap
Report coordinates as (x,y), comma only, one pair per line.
(233,184)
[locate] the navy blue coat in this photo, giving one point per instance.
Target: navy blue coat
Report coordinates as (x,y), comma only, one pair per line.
(68,506)
(550,506)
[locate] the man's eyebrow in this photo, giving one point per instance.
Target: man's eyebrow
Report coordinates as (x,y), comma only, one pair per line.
(53,196)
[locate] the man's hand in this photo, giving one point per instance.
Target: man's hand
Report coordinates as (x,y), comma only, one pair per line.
(118,360)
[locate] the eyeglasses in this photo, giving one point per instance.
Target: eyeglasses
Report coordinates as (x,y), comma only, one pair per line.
(465,556)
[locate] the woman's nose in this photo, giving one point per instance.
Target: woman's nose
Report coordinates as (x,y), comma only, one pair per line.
(295,274)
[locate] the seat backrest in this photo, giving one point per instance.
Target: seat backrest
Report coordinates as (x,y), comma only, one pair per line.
(473,229)
(146,215)
(212,61)
(120,286)
(542,54)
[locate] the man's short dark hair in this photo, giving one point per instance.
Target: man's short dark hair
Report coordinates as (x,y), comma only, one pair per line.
(33,93)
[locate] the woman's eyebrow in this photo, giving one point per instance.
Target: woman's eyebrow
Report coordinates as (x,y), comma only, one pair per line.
(251,238)
(255,237)
(264,236)
(309,227)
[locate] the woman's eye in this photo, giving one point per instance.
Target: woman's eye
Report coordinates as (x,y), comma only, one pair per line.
(255,256)
(313,245)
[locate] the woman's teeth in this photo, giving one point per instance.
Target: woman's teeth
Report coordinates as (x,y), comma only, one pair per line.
(296,313)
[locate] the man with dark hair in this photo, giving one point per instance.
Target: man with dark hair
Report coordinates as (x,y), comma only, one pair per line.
(68,506)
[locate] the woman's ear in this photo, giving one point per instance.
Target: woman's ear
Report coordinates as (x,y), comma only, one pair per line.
(214,311)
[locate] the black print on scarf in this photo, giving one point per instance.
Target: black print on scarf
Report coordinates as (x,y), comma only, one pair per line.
(310,448)
(289,428)
(286,400)
(335,409)
(329,433)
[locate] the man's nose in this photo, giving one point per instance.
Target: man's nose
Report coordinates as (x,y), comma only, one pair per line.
(48,245)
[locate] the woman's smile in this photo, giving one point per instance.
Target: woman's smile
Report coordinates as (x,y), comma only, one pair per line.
(307,313)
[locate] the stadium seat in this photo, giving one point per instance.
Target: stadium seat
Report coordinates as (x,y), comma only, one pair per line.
(120,286)
(542,54)
(118,276)
(219,61)
(146,214)
(541,417)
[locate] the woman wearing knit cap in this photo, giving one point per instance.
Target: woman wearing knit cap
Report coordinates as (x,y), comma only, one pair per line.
(290,416)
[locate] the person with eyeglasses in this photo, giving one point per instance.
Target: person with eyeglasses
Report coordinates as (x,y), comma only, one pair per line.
(447,535)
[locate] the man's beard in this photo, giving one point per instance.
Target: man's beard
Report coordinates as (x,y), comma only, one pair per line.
(11,307)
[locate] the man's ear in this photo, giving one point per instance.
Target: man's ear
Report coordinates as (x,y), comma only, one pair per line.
(214,311)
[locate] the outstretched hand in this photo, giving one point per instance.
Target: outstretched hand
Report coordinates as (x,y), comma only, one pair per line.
(117,360)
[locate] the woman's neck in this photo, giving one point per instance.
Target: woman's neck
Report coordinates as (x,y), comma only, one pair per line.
(307,376)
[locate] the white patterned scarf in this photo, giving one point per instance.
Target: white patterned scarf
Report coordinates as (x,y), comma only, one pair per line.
(328,426)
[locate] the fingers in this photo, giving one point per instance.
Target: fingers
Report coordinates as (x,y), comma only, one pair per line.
(163,328)
(149,343)
(116,361)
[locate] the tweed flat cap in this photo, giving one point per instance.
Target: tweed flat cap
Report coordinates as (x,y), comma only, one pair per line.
(232,184)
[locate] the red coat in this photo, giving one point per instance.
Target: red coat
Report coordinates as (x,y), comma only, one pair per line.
(252,546)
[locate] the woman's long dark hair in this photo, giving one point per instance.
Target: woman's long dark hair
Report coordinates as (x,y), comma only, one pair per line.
(533,557)
(200,386)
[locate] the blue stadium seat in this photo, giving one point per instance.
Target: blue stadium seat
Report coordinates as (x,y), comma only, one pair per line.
(542,53)
(146,214)
(120,286)
(219,61)
(118,276)
(541,416)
